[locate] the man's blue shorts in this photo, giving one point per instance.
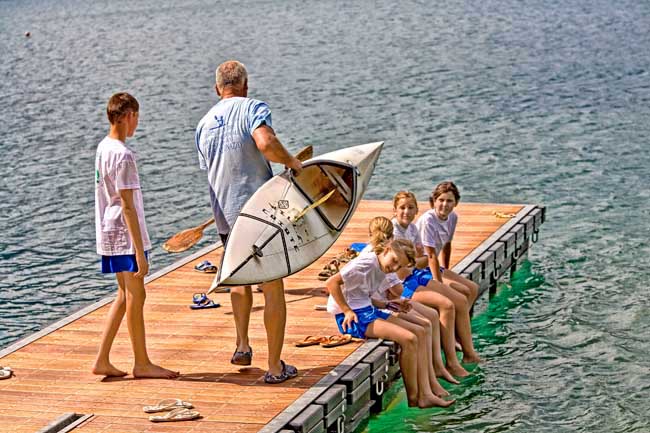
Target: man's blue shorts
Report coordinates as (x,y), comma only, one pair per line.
(125,263)
(366,316)
(419,277)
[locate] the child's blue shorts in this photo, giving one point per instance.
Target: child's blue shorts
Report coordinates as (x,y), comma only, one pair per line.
(366,316)
(419,277)
(358,246)
(125,263)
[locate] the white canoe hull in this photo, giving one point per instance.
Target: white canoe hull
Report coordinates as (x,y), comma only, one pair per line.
(266,242)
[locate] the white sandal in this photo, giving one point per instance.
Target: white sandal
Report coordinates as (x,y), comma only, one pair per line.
(179,414)
(167,404)
(6,372)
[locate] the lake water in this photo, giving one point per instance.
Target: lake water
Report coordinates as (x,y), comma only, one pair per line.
(517,101)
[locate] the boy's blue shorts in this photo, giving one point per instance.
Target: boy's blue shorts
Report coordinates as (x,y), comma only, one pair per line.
(366,316)
(419,277)
(125,263)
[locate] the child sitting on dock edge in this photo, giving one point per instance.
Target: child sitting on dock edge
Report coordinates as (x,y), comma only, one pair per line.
(122,238)
(436,228)
(350,301)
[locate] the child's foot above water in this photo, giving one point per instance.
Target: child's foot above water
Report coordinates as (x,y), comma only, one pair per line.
(433,401)
(457,370)
(471,358)
(107,369)
(154,371)
(446,375)
(437,389)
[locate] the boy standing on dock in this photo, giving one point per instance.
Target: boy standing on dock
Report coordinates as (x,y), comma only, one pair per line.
(122,238)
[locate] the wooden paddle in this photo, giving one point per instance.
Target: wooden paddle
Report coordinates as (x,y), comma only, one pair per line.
(189,237)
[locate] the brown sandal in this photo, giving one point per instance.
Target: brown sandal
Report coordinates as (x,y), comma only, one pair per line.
(347,255)
(337,340)
(330,269)
(310,340)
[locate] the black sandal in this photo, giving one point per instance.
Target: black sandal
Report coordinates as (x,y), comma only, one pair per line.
(288,372)
(242,358)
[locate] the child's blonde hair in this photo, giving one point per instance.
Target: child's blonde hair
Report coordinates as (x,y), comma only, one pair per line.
(381,231)
(405,195)
(400,246)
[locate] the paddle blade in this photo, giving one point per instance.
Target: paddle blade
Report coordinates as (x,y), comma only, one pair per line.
(305,153)
(187,238)
(183,240)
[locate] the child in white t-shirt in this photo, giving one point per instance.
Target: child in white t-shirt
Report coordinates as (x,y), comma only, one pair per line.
(122,238)
(437,227)
(391,289)
(350,301)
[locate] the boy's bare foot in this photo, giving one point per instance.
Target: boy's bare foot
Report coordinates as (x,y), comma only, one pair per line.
(437,389)
(446,375)
(457,370)
(154,371)
(471,358)
(433,401)
(107,369)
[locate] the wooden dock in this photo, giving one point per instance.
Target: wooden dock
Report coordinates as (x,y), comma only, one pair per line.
(52,368)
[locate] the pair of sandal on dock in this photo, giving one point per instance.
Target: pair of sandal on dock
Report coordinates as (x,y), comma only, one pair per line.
(334,265)
(176,410)
(246,358)
(331,341)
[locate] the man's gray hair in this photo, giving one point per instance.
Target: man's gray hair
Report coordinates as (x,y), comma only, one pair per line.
(231,73)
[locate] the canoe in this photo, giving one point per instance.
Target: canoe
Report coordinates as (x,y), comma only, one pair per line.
(291,221)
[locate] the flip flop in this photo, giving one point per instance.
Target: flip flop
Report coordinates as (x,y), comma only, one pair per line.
(167,405)
(347,255)
(310,341)
(337,340)
(197,298)
(205,304)
(288,371)
(330,269)
(6,372)
(178,414)
(206,267)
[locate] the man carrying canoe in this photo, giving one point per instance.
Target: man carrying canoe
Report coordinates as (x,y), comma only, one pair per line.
(235,142)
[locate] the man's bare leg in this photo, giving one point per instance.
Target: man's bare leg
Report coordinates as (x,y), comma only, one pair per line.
(242,303)
(275,318)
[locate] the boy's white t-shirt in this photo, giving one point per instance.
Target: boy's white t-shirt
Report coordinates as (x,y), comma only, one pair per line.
(361,277)
(115,170)
(435,232)
(409,233)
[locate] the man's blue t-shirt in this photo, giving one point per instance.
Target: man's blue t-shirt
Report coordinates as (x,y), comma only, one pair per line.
(236,168)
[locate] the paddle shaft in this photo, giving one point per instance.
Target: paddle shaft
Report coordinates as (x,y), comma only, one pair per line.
(303,154)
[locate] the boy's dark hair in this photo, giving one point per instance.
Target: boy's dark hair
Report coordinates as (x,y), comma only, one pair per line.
(120,104)
(442,188)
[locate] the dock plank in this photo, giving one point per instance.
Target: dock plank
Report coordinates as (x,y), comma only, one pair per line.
(53,377)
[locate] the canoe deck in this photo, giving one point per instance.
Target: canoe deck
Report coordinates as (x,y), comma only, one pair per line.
(53,367)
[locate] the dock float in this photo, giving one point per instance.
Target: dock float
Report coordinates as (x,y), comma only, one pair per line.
(337,389)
